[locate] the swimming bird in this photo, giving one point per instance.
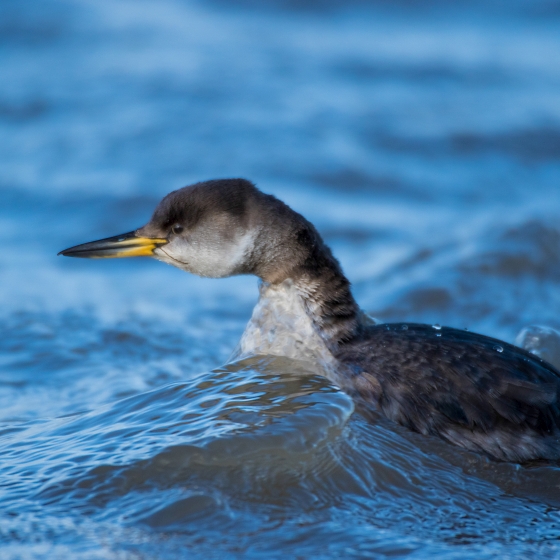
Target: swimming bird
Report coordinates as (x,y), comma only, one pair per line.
(471,390)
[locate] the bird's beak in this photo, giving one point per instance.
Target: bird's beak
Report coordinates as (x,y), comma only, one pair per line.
(126,245)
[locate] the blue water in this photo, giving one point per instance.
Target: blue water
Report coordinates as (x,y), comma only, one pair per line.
(422,139)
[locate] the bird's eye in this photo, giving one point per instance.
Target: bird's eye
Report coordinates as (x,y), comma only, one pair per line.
(177,229)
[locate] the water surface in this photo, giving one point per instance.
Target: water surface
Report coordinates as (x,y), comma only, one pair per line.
(424,143)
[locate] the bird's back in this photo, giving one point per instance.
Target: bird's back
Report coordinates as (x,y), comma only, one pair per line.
(472,390)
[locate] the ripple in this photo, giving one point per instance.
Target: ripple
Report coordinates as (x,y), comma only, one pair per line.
(239,414)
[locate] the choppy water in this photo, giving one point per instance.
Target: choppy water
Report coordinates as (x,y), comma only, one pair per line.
(425,145)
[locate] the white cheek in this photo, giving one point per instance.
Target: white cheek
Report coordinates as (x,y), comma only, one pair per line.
(207,257)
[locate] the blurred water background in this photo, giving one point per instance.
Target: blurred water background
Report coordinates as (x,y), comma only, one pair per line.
(422,139)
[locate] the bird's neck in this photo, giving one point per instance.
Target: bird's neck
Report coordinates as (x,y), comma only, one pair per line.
(306,309)
(306,317)
(327,301)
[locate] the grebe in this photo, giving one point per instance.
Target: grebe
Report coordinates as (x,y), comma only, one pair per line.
(471,390)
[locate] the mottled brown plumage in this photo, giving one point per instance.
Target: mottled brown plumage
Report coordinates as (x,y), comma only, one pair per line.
(474,391)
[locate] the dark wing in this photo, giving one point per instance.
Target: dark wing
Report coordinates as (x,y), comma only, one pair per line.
(475,391)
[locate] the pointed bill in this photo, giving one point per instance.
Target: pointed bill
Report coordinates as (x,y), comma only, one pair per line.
(125,245)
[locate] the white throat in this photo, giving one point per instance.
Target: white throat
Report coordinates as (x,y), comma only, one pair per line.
(280,326)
